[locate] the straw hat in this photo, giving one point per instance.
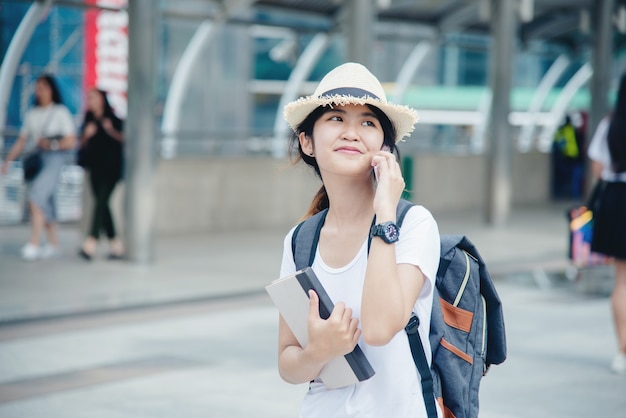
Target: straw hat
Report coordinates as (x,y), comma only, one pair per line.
(351,83)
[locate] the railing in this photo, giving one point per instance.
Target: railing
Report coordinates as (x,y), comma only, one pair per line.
(67,198)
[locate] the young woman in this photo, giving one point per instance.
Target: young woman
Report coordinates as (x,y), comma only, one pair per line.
(49,128)
(608,154)
(101,139)
(343,131)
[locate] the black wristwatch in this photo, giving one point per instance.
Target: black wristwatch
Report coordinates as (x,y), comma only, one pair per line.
(388,231)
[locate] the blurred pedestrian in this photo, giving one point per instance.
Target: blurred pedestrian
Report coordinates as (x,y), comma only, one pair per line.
(565,157)
(100,153)
(48,130)
(608,154)
(346,131)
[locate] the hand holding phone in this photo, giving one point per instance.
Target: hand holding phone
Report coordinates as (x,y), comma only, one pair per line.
(386,149)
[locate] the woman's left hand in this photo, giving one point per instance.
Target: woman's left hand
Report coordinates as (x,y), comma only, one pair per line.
(43,143)
(390,185)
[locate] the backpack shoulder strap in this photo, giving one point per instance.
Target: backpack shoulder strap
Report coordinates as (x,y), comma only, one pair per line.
(415,342)
(307,234)
(305,238)
(401,211)
(421,363)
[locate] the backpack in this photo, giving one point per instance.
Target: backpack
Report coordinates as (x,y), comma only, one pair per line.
(467,325)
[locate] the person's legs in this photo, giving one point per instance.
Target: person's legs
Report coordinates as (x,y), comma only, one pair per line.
(618,302)
(41,207)
(51,222)
(117,249)
(107,217)
(37,222)
(32,250)
(91,241)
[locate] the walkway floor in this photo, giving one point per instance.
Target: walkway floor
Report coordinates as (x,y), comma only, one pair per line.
(225,264)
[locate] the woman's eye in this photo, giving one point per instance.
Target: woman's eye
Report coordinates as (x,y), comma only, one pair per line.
(335,118)
(369,123)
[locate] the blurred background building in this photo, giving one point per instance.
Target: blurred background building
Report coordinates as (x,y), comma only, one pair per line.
(223,70)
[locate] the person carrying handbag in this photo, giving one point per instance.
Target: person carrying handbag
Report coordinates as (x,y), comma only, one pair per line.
(49,130)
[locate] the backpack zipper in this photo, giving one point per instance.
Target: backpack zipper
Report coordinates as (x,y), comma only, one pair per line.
(465,279)
(483,352)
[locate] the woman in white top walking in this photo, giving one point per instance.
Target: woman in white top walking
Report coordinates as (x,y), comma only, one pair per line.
(346,131)
(48,128)
(608,154)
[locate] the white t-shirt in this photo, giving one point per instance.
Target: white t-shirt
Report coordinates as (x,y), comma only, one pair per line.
(395,389)
(599,151)
(51,120)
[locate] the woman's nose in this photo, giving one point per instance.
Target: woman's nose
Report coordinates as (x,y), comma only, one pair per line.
(351,132)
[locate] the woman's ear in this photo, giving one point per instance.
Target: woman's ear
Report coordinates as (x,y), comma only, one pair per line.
(305,143)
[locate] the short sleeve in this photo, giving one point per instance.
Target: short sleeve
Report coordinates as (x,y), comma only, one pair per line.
(598,148)
(419,242)
(287,265)
(64,124)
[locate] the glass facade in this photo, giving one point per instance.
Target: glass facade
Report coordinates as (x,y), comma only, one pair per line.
(231,92)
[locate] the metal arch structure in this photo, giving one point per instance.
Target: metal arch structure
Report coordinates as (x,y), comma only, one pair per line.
(409,69)
(180,81)
(14,53)
(559,109)
(178,86)
(299,74)
(419,12)
(545,85)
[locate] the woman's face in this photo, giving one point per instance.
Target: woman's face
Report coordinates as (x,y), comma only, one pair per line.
(43,92)
(94,101)
(345,139)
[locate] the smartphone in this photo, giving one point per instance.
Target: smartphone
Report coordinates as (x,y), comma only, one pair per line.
(386,149)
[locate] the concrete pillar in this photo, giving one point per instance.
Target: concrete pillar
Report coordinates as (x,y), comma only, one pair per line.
(360,16)
(141,130)
(601,59)
(500,145)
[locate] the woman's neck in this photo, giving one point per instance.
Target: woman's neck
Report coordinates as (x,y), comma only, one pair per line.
(351,201)
(98,114)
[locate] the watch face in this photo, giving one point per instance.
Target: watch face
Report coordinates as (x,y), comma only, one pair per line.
(391,232)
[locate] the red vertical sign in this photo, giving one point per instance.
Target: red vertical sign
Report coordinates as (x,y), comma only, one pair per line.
(106,51)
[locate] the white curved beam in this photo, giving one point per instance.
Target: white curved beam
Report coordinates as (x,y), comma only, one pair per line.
(299,74)
(178,86)
(560,105)
(547,82)
(409,68)
(180,80)
(14,54)
(477,142)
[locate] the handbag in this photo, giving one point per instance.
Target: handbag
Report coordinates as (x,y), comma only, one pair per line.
(581,230)
(593,204)
(32,164)
(83,156)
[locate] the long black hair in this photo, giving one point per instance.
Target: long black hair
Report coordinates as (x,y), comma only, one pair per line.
(107,111)
(320,200)
(54,88)
(617,130)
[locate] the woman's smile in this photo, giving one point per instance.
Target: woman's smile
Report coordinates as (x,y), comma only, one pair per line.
(349,150)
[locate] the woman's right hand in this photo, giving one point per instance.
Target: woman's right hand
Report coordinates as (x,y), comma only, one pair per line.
(332,337)
(4,168)
(90,130)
